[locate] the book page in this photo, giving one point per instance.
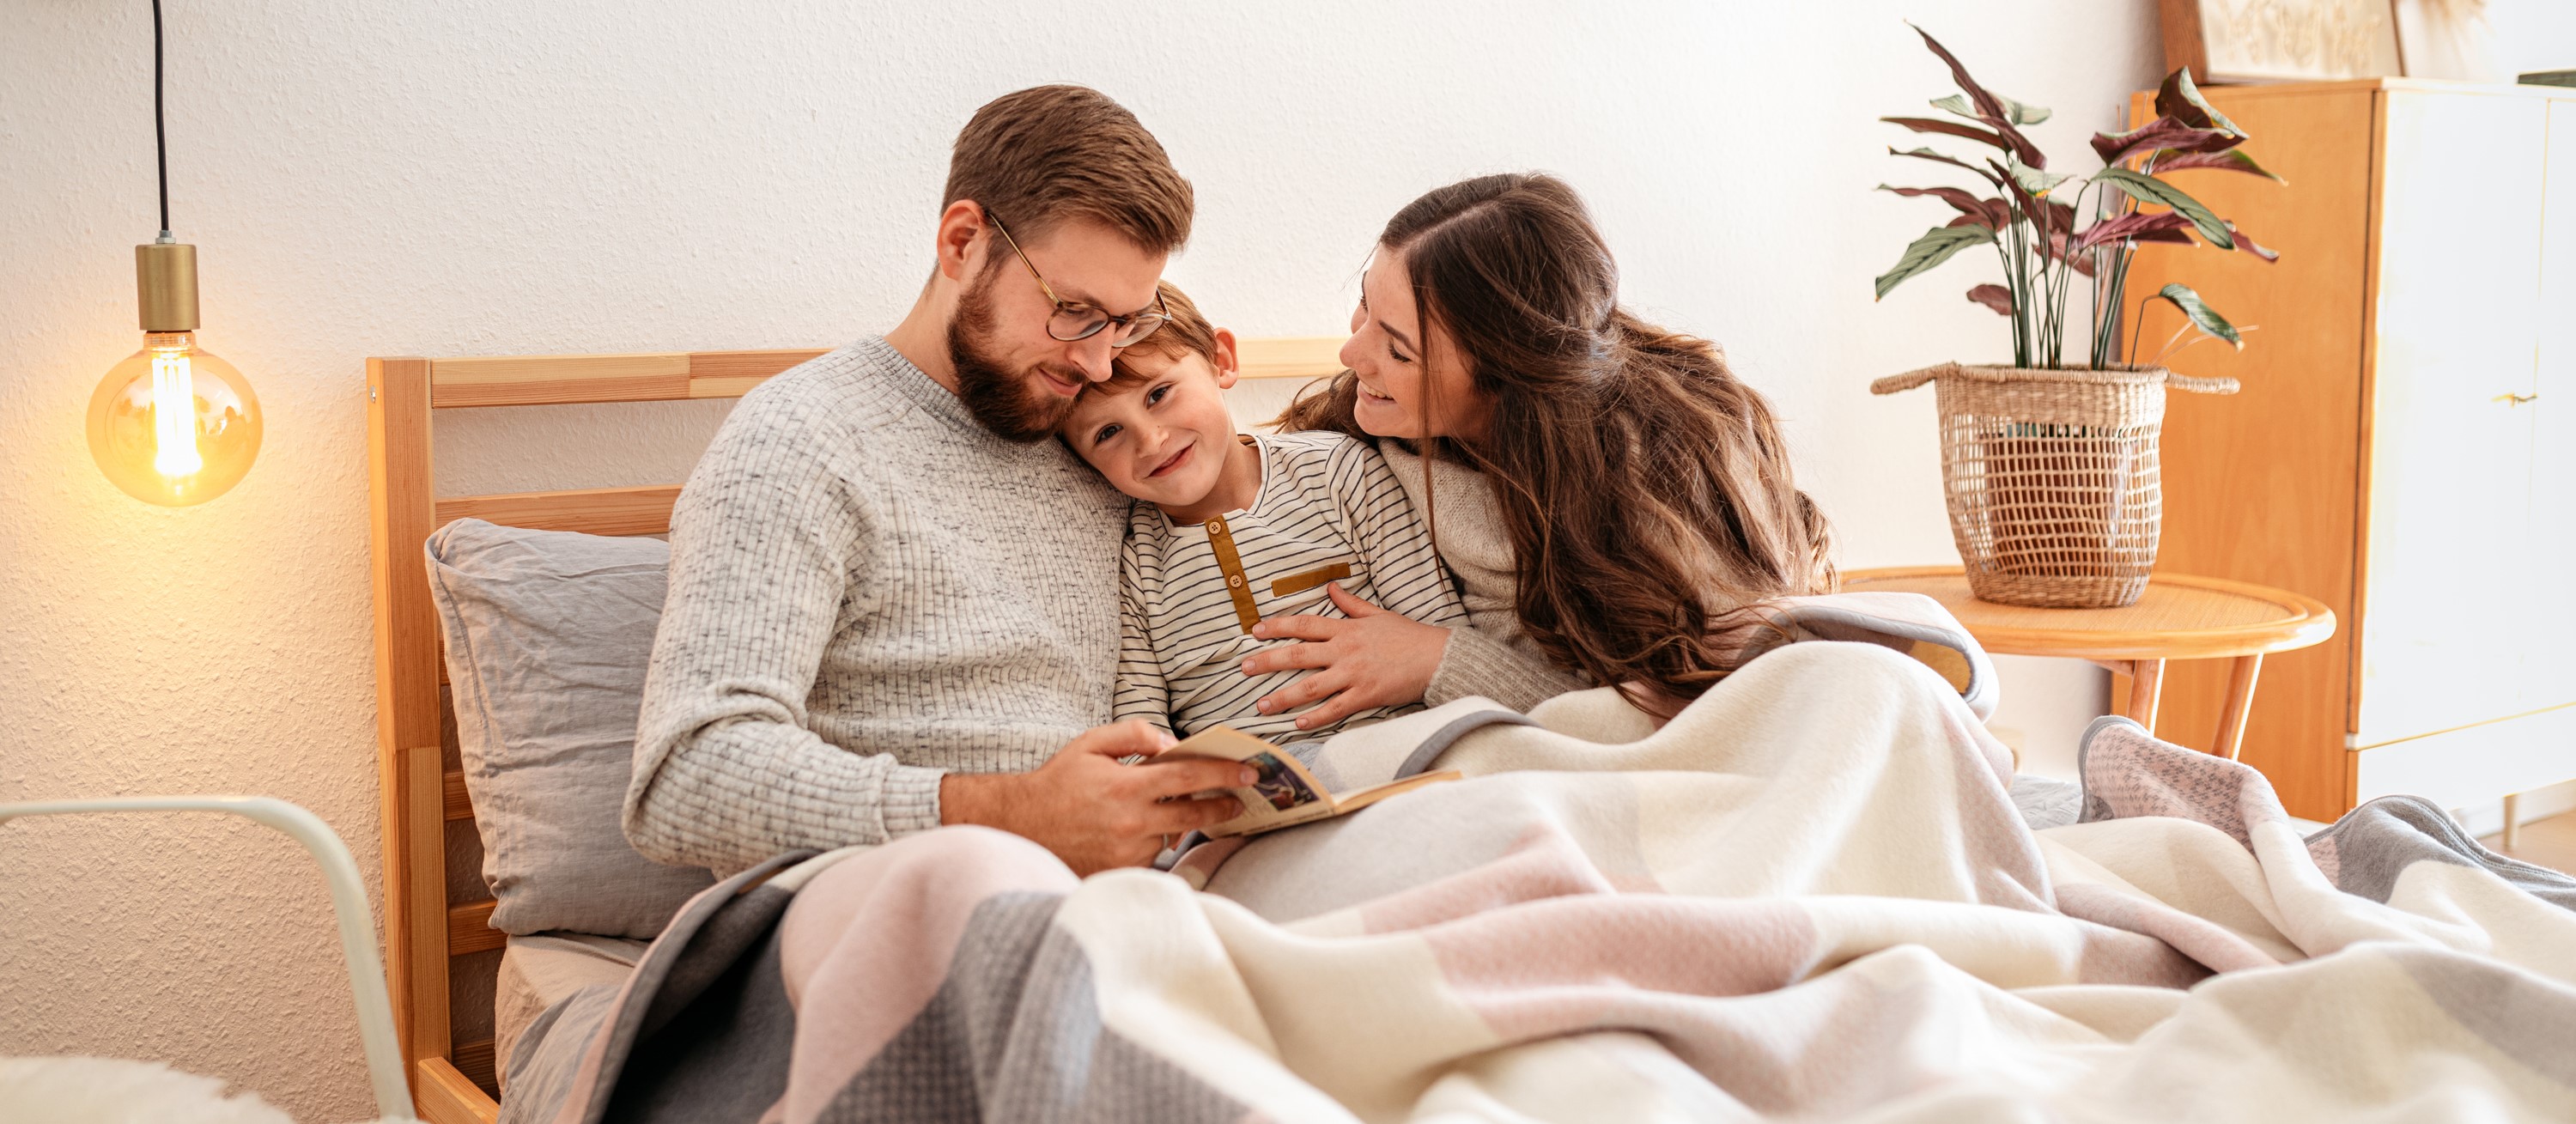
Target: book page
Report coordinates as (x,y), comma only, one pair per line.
(1282,791)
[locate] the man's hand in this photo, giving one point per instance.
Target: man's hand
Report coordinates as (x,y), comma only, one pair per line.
(1093,812)
(1376,658)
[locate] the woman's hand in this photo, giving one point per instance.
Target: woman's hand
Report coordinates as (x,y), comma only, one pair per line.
(1376,658)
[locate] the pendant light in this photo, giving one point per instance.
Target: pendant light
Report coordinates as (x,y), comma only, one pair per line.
(172,424)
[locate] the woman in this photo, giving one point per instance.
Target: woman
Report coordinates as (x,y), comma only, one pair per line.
(1610,495)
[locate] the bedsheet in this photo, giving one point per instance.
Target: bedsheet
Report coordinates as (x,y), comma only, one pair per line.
(1808,895)
(543,969)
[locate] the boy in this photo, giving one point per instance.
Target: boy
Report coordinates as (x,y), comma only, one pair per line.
(1231,529)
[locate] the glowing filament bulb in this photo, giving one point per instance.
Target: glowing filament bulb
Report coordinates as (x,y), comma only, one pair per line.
(174,424)
(174,414)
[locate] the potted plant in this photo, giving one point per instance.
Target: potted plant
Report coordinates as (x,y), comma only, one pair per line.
(2051,468)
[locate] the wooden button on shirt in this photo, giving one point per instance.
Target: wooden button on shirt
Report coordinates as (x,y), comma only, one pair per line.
(1328,511)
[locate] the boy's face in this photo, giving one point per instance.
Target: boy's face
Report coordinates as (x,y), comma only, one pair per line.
(1165,442)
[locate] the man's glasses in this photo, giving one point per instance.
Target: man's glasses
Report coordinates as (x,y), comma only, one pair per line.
(1072,321)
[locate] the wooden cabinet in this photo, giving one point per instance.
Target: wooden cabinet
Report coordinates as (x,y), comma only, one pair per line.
(2401,448)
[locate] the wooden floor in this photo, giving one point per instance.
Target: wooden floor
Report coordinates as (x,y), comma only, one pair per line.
(2550,843)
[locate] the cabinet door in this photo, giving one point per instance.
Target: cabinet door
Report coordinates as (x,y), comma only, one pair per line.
(2550,675)
(2474,766)
(2445,626)
(2259,485)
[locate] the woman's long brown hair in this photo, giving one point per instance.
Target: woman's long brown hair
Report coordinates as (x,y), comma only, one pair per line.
(1645,489)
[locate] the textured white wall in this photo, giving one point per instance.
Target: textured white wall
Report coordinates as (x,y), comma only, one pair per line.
(485,176)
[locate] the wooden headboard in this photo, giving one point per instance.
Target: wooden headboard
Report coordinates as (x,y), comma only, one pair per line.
(428,928)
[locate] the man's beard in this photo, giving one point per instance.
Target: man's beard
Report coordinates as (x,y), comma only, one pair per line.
(1012,405)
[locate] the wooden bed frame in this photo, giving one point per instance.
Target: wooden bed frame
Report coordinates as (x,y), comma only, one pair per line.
(456,1082)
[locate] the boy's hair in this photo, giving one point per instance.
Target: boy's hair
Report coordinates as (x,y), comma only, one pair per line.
(1186,333)
(1046,154)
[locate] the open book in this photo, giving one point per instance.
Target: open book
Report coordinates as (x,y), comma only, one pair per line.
(1283,793)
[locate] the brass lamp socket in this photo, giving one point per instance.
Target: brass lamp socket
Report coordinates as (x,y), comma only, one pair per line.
(165,286)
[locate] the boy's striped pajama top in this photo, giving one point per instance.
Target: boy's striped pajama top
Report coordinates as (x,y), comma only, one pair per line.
(1328,510)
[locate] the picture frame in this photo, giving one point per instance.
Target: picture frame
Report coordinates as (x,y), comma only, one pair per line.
(2239,41)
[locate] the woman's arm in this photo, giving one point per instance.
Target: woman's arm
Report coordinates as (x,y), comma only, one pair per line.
(1418,647)
(1382,658)
(1385,654)
(1480,664)
(1374,658)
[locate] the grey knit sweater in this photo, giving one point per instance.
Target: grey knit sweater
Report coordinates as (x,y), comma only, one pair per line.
(867,590)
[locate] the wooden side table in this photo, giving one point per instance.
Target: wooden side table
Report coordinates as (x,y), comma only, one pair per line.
(2178,618)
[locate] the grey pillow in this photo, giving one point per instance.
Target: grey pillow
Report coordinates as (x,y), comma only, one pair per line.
(547,634)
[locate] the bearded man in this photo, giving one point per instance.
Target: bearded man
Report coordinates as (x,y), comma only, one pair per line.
(893,601)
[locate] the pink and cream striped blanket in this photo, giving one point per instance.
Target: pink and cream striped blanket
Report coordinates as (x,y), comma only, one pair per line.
(1808,895)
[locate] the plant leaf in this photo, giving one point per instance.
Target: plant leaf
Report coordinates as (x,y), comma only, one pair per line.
(2201,315)
(1993,296)
(1952,128)
(1990,108)
(2054,220)
(2229,160)
(1936,246)
(2032,179)
(2179,99)
(2018,112)
(2149,189)
(1989,212)
(1928,154)
(2245,243)
(2029,205)
(2163,132)
(2139,226)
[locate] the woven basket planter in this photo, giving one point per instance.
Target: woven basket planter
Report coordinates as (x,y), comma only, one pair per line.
(2052,477)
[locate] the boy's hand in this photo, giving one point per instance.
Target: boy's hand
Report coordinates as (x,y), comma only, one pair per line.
(1376,658)
(1093,812)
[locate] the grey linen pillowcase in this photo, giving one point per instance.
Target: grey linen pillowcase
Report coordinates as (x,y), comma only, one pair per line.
(548,634)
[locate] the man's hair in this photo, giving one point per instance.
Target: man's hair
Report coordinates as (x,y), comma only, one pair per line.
(1186,333)
(1050,153)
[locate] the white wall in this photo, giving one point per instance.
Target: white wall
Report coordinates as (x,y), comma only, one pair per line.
(488,176)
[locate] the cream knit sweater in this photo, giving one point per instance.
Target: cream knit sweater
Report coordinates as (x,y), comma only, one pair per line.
(868,590)
(1490,657)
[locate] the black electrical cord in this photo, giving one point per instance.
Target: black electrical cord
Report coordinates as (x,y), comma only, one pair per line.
(160,136)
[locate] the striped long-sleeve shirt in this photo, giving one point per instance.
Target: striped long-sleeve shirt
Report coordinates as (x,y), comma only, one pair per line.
(1328,509)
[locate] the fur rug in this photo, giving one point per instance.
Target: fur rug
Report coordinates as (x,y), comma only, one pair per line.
(77,1090)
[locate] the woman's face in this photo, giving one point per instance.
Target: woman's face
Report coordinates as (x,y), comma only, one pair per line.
(1385,350)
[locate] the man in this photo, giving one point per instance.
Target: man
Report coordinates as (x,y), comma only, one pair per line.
(893,603)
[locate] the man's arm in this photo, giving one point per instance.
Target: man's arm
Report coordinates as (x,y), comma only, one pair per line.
(1093,812)
(727,773)
(764,544)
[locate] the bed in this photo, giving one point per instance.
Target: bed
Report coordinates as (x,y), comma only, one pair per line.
(1840,882)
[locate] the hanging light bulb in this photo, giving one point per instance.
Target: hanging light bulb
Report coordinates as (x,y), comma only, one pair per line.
(172,424)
